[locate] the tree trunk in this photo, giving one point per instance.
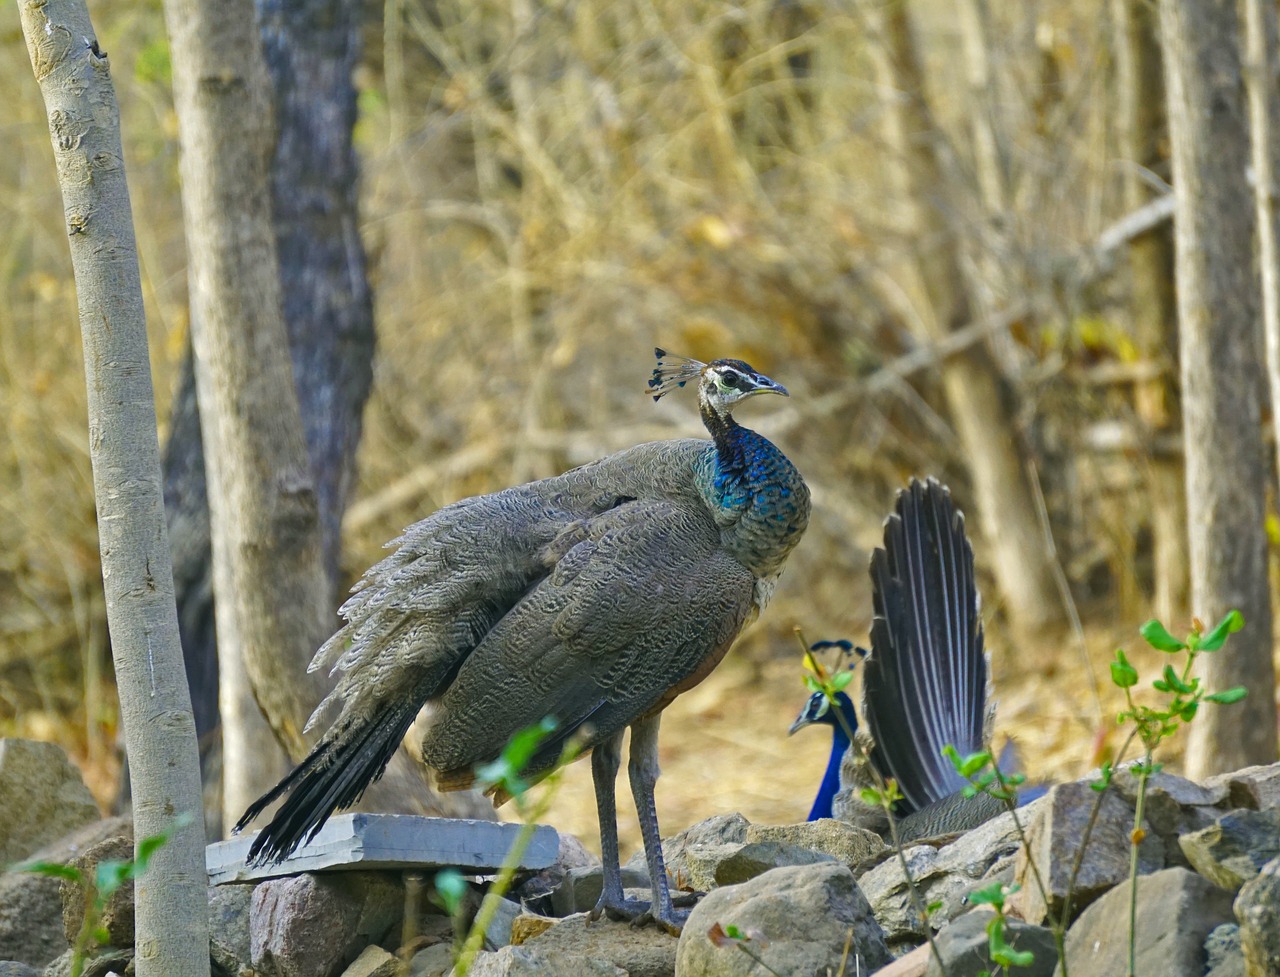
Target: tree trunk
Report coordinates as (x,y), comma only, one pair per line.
(267,558)
(1153,304)
(1221,381)
(1006,507)
(172,913)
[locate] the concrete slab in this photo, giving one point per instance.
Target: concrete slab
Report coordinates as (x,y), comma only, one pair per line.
(389,841)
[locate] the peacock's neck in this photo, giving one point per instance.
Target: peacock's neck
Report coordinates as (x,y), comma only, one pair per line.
(756,494)
(830,786)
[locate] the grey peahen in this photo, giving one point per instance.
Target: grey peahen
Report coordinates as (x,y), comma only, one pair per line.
(594,597)
(924,682)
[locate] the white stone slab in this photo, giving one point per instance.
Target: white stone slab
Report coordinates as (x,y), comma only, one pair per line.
(389,841)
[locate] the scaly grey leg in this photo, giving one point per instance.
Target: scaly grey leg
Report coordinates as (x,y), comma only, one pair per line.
(643,770)
(606,757)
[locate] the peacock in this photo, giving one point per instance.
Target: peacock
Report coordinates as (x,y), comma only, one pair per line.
(594,598)
(924,681)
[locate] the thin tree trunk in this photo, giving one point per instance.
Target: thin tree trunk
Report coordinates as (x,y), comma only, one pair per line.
(172,912)
(267,555)
(1005,502)
(1221,380)
(1153,304)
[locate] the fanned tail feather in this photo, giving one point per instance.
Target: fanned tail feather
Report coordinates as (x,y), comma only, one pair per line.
(334,775)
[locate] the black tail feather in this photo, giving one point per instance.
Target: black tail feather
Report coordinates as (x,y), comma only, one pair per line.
(334,775)
(925,682)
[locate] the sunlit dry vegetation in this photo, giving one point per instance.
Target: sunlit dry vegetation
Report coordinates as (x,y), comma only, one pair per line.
(552,189)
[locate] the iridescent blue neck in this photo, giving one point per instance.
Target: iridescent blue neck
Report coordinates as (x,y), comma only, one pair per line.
(831,779)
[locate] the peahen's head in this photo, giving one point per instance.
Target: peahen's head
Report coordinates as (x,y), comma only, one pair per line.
(722,384)
(820,709)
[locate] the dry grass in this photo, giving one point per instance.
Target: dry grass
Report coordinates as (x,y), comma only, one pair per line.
(550,190)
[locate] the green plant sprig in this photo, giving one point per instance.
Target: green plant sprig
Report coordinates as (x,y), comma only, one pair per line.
(1002,953)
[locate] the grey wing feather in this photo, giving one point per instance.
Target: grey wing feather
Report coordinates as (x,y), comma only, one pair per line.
(925,682)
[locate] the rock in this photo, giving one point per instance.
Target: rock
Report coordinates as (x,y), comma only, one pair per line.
(1223,956)
(840,840)
(11,968)
(498,932)
(43,795)
(711,866)
(1055,836)
(722,829)
(117,914)
(944,875)
(1177,910)
(803,916)
(31,905)
(637,951)
(1257,788)
(537,892)
(316,925)
(109,961)
(580,889)
(373,962)
(1232,850)
(528,925)
(523,961)
(964,947)
(229,909)
(1174,806)
(1257,909)
(911,964)
(434,961)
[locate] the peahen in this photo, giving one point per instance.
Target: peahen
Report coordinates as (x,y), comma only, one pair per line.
(924,682)
(594,597)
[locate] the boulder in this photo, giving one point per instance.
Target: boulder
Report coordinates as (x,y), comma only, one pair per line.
(433,961)
(523,961)
(722,829)
(229,911)
(637,951)
(711,866)
(11,968)
(1257,788)
(1174,806)
(579,890)
(1176,912)
(1055,835)
(117,914)
(373,962)
(965,948)
(799,920)
(42,798)
(315,925)
(842,841)
(31,926)
(537,893)
(108,961)
(1235,847)
(1223,956)
(1257,909)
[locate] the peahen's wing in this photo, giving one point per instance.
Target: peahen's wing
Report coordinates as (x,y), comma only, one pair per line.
(642,600)
(418,613)
(925,682)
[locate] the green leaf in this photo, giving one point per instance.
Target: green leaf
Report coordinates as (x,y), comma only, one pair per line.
(1172,680)
(51,869)
(1188,710)
(811,683)
(840,680)
(111,874)
(990,895)
(1104,777)
(1227,696)
(1123,674)
(1159,638)
(933,907)
(450,887)
(871,795)
(1215,639)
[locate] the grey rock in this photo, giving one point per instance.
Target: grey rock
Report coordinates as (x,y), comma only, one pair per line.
(1257,909)
(498,932)
(433,961)
(524,961)
(1176,911)
(637,951)
(1055,836)
(1174,806)
(109,961)
(1232,850)
(538,891)
(843,842)
(1223,956)
(117,915)
(12,968)
(43,795)
(1257,788)
(799,919)
(580,889)
(31,905)
(711,866)
(944,875)
(229,910)
(964,947)
(722,829)
(316,925)
(373,962)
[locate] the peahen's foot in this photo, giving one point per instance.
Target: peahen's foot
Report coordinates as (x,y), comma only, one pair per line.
(639,913)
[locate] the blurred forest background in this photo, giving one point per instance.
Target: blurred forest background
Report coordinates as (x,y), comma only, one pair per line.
(965,272)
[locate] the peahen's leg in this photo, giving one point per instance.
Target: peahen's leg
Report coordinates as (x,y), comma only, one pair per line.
(606,757)
(643,770)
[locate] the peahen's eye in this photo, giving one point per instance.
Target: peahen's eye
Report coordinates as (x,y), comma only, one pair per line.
(729,378)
